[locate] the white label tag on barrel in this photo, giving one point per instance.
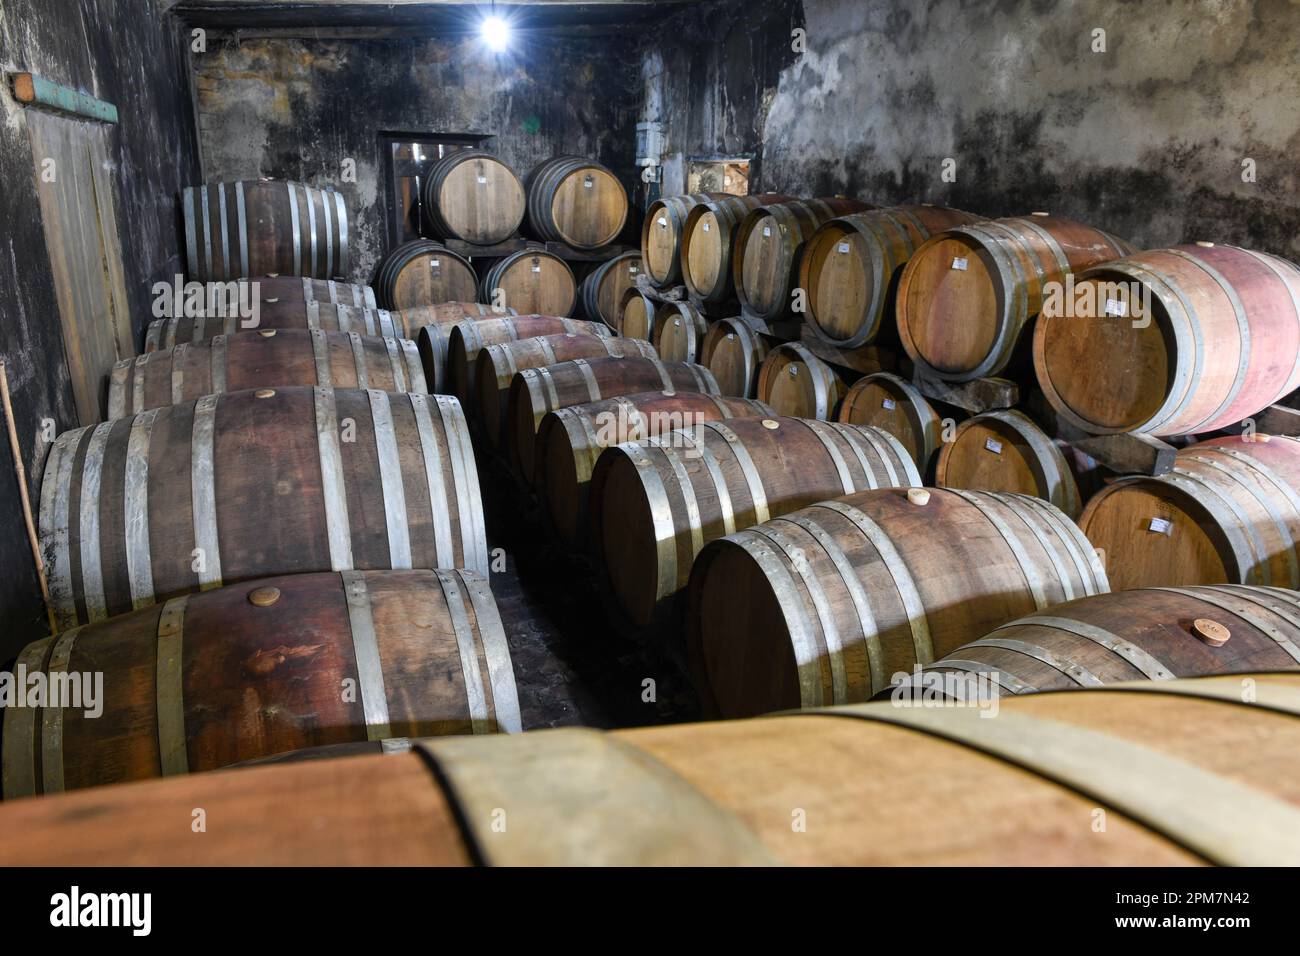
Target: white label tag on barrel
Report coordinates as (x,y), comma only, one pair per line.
(482,180)
(588,183)
(537,267)
(1161,526)
(844,247)
(434,263)
(1116,307)
(959,263)
(706,227)
(663,223)
(993,445)
(632,270)
(887,404)
(767,231)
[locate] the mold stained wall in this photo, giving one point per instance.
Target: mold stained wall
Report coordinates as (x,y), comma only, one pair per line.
(297,108)
(1146,139)
(132,55)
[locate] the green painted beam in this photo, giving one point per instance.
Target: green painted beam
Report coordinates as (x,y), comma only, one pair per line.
(37,91)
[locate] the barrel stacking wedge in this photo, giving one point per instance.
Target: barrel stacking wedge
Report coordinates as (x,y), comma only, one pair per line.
(255,669)
(1228,513)
(1144,634)
(255,483)
(241,229)
(264,358)
(1175,341)
(824,605)
(655,504)
(472,195)
(1150,755)
(968,294)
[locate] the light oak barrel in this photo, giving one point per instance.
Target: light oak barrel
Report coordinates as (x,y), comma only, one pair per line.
(734,352)
(266,358)
(575,201)
(661,236)
(254,483)
(472,195)
(603,288)
(423,272)
(886,401)
(465,340)
(431,326)
(287,315)
(968,294)
(1175,341)
(851,265)
(679,332)
(637,315)
(532,282)
(707,243)
(256,228)
(799,384)
(1228,513)
(497,366)
(655,504)
(721,793)
(1152,634)
(824,605)
(249,670)
(570,440)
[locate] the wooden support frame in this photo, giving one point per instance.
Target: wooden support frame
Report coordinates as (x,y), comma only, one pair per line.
(867,359)
(976,396)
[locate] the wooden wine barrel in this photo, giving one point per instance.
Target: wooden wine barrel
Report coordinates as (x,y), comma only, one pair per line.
(575,201)
(799,384)
(249,484)
(679,332)
(655,504)
(213,297)
(709,794)
(734,352)
(850,267)
(262,227)
(769,243)
(895,405)
(1004,450)
(1145,634)
(423,272)
(536,392)
(255,669)
(445,313)
(286,316)
(497,365)
(466,339)
(1216,339)
(603,289)
(472,195)
(269,358)
(569,440)
(707,242)
(637,313)
(1228,513)
(968,293)
(532,282)
(824,605)
(661,236)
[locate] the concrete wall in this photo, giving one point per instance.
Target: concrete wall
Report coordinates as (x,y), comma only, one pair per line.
(125,52)
(1146,139)
(297,108)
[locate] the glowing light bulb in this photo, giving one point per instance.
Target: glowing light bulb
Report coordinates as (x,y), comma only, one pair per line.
(495,32)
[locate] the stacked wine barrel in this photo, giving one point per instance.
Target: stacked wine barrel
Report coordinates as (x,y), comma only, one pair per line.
(423,272)
(575,201)
(474,196)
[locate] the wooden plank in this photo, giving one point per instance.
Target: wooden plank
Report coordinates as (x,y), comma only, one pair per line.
(867,359)
(786,331)
(979,395)
(1278,420)
(39,92)
(1130,453)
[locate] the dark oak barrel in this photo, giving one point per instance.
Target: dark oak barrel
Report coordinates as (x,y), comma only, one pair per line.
(575,201)
(637,314)
(266,358)
(472,195)
(249,670)
(249,484)
(569,440)
(424,272)
(721,793)
(734,352)
(220,297)
(535,392)
(1175,341)
(497,366)
(824,605)
(707,242)
(768,245)
(655,504)
(262,227)
(286,315)
(661,236)
(895,405)
(850,267)
(532,282)
(799,384)
(602,290)
(1004,450)
(967,294)
(1228,513)
(1144,634)
(679,332)
(466,339)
